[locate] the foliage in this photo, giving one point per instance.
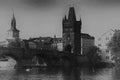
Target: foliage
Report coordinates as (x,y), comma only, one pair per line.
(114,43)
(93,55)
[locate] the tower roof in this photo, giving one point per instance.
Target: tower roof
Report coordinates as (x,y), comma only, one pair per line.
(71,15)
(13,23)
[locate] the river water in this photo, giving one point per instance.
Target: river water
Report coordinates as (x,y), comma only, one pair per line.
(62,74)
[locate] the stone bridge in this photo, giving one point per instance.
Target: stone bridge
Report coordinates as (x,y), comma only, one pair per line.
(27,57)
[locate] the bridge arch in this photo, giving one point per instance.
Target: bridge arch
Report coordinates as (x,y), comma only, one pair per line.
(17,59)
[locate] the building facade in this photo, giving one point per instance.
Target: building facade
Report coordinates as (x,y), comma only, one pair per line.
(47,43)
(38,43)
(104,39)
(103,43)
(57,43)
(71,32)
(87,41)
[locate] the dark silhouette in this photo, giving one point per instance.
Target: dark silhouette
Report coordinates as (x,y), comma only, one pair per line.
(68,48)
(72,31)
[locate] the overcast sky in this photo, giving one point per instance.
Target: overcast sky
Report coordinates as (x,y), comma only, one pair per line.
(44,17)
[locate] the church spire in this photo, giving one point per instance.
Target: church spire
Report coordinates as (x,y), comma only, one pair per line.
(13,33)
(13,23)
(71,15)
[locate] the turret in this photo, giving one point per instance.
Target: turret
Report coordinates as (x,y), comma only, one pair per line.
(64,19)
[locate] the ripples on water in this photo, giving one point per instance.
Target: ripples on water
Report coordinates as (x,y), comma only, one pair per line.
(61,74)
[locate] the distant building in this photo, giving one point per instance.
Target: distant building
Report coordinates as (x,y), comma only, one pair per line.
(13,32)
(71,32)
(12,35)
(32,45)
(73,40)
(106,56)
(102,44)
(39,43)
(57,43)
(48,43)
(86,42)
(104,39)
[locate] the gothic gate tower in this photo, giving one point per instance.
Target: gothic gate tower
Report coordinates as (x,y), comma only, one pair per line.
(13,32)
(71,33)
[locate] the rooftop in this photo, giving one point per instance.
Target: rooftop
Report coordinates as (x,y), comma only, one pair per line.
(87,36)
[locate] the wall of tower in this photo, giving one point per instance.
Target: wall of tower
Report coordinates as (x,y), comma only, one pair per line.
(77,37)
(72,36)
(68,34)
(13,35)
(72,33)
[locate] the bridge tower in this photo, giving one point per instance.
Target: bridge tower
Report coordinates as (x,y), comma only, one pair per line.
(71,32)
(13,32)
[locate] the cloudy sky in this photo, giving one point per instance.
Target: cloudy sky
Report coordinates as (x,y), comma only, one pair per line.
(44,17)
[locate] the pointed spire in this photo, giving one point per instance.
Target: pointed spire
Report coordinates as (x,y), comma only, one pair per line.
(64,19)
(71,15)
(13,22)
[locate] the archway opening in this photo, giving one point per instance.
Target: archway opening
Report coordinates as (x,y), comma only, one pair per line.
(7,61)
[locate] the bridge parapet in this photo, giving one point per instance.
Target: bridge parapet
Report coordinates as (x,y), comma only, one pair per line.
(22,55)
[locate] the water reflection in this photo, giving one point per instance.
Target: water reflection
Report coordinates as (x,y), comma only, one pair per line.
(6,74)
(62,74)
